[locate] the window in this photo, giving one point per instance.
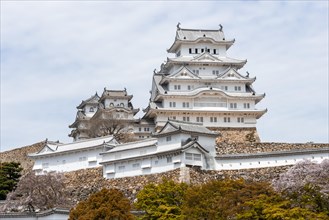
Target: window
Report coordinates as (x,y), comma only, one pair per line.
(215,72)
(121,104)
(196,50)
(190,50)
(136,165)
(224,88)
(197,157)
(178,54)
(213,119)
(188,87)
(246,105)
(168,138)
(207,83)
(111,104)
(139,129)
(188,156)
(215,51)
(208,50)
(173,117)
(177,87)
(233,105)
(199,119)
(169,159)
(146,129)
(237,88)
(172,104)
(82,158)
(186,118)
(196,72)
(121,168)
(91,109)
(202,50)
(227,119)
(240,120)
(186,104)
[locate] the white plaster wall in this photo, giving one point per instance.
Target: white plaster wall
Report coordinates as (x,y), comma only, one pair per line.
(249,120)
(233,164)
(116,102)
(221,50)
(55,216)
(69,161)
(148,165)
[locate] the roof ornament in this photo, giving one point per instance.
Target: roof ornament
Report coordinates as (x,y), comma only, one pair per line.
(104,88)
(154,71)
(220,27)
(247,74)
(178,28)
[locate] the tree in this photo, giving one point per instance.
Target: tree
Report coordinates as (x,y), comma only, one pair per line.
(275,207)
(110,126)
(162,201)
(306,185)
(302,173)
(221,199)
(38,192)
(9,177)
(104,205)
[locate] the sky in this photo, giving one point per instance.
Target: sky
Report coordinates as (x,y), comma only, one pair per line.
(54,54)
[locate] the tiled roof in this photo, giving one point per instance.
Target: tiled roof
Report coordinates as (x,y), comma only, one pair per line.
(194,34)
(77,145)
(180,126)
(92,100)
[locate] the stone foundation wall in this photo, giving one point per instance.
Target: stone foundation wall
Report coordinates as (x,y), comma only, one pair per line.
(20,155)
(260,147)
(237,135)
(82,183)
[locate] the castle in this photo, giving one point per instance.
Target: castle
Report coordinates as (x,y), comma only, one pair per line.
(195,97)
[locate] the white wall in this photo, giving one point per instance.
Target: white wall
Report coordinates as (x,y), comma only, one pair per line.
(234,164)
(69,161)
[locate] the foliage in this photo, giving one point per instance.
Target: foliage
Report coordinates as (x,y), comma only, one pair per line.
(221,199)
(104,205)
(10,172)
(306,185)
(302,173)
(276,207)
(162,201)
(38,192)
(99,127)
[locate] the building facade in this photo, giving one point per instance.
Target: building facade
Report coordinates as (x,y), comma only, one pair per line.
(176,145)
(82,154)
(202,84)
(109,114)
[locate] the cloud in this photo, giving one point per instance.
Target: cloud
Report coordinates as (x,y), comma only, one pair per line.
(55,54)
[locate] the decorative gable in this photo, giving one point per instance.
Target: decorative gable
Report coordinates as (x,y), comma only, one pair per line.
(184,73)
(230,73)
(168,128)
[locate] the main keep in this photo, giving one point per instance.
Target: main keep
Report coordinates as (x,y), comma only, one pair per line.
(200,84)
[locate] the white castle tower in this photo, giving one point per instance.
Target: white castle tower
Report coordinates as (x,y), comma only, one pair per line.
(202,84)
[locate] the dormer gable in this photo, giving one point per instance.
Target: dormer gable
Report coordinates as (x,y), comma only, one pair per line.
(232,74)
(185,73)
(206,57)
(92,101)
(174,126)
(194,144)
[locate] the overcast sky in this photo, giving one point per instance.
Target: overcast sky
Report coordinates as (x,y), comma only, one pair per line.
(54,54)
